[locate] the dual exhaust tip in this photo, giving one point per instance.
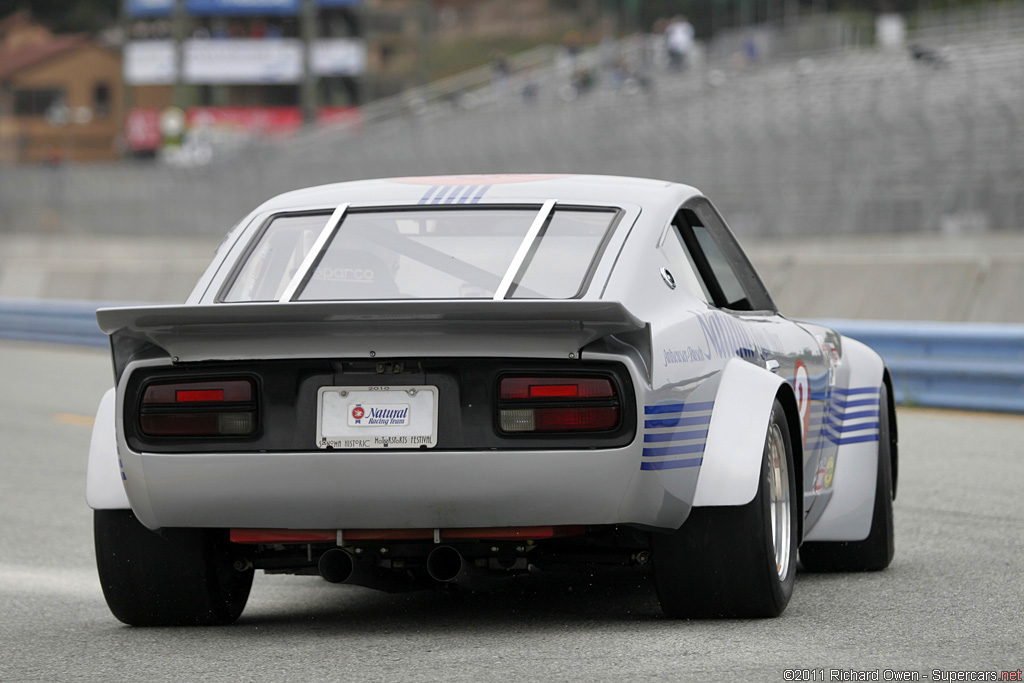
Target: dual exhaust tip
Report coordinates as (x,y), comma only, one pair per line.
(445,564)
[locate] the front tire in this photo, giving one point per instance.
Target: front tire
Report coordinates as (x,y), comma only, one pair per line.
(174,577)
(875,552)
(736,562)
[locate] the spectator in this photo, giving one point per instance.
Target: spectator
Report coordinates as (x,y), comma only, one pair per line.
(678,42)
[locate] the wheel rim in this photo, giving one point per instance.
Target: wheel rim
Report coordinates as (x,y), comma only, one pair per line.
(779,502)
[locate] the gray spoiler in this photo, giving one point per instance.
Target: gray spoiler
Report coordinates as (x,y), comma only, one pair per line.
(363,329)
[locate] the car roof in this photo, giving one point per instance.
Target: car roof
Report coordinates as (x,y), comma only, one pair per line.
(481,189)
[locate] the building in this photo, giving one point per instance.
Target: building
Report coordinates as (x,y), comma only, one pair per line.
(250,65)
(60,95)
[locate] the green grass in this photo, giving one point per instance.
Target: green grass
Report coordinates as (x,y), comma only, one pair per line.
(452,57)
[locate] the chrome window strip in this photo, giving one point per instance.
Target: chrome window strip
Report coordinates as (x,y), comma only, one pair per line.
(291,291)
(524,249)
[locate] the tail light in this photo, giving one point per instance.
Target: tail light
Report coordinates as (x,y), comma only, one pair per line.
(199,408)
(557,404)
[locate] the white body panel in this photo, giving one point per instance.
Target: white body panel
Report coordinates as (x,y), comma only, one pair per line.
(389,490)
(103,487)
(732,457)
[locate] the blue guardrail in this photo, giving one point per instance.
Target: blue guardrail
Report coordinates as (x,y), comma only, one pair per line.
(942,365)
(62,322)
(948,365)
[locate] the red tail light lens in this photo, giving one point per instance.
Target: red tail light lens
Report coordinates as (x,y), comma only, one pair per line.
(518,388)
(557,404)
(232,390)
(199,408)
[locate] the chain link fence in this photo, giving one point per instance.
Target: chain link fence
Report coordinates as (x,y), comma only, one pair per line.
(860,141)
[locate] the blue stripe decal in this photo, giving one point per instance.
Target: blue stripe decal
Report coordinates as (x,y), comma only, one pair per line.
(674,450)
(441,193)
(858,402)
(426,195)
(677,422)
(678,407)
(671,464)
(466,193)
(676,436)
(481,193)
(846,428)
(819,395)
(855,390)
(856,439)
(855,416)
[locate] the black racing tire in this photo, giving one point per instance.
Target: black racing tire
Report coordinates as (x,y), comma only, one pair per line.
(875,552)
(173,577)
(722,561)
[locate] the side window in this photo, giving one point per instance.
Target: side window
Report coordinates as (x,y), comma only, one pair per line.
(724,270)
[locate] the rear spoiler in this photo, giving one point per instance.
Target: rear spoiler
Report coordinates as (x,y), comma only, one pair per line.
(362,329)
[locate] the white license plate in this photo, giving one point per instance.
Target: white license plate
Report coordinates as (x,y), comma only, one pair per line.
(376,417)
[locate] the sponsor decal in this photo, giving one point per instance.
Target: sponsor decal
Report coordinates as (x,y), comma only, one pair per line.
(687,355)
(819,481)
(725,337)
(802,388)
(379,415)
(830,470)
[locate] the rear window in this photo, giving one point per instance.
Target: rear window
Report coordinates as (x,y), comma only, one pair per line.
(425,254)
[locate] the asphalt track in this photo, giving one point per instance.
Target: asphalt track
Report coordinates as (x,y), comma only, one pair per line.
(952,599)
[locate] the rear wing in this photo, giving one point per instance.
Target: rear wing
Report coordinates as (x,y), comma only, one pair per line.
(362,329)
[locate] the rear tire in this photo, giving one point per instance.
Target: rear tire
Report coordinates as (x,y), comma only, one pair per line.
(736,562)
(174,577)
(876,551)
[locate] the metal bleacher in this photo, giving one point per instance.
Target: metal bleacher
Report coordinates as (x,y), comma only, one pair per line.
(855,141)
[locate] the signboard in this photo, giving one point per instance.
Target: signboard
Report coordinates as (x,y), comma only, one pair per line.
(240,61)
(149,62)
(143,133)
(243,61)
(148,8)
(241,7)
(251,119)
(142,129)
(338,57)
(162,8)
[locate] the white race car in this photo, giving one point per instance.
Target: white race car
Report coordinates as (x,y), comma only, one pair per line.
(415,382)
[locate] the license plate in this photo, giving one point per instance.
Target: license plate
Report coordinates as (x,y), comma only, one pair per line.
(376,417)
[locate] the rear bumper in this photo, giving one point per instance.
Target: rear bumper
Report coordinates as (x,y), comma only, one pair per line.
(399,490)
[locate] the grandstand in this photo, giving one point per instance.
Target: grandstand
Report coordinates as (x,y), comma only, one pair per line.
(858,141)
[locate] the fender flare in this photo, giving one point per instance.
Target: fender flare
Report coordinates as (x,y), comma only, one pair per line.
(731,467)
(103,483)
(847,515)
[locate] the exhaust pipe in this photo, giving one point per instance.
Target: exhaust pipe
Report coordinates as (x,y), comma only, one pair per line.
(339,566)
(447,565)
